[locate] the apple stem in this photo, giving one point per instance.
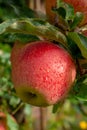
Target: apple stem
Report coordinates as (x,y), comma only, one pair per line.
(18,108)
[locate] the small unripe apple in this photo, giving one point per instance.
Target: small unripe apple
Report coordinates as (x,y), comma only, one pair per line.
(42,72)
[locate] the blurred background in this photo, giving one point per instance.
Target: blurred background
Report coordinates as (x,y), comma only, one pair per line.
(71,115)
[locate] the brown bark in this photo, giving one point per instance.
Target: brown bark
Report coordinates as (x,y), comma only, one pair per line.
(28,3)
(38,5)
(39,116)
(43,118)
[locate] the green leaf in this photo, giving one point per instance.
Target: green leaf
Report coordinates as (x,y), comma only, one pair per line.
(67,12)
(81,42)
(14,101)
(23,38)
(76,21)
(67,9)
(12,124)
(5,25)
(16,8)
(73,48)
(61,18)
(35,27)
(60,12)
(57,107)
(80,88)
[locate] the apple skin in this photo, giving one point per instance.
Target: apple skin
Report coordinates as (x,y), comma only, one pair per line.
(42,72)
(79,6)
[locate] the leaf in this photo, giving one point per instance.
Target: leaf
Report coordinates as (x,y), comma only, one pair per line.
(81,42)
(12,124)
(35,27)
(6,24)
(14,101)
(76,21)
(16,8)
(23,38)
(67,12)
(80,88)
(61,18)
(67,8)
(73,49)
(57,106)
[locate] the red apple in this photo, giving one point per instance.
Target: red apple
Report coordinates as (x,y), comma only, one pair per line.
(42,72)
(2,126)
(79,6)
(3,123)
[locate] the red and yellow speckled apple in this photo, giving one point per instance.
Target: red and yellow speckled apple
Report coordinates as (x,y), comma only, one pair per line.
(79,6)
(42,72)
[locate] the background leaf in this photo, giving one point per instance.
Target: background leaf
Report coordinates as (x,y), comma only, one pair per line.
(80,88)
(57,107)
(81,42)
(12,123)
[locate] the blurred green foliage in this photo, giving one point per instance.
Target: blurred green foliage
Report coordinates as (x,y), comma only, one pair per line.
(9,102)
(14,9)
(10,9)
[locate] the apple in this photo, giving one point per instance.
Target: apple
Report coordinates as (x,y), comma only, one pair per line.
(79,6)
(3,124)
(42,72)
